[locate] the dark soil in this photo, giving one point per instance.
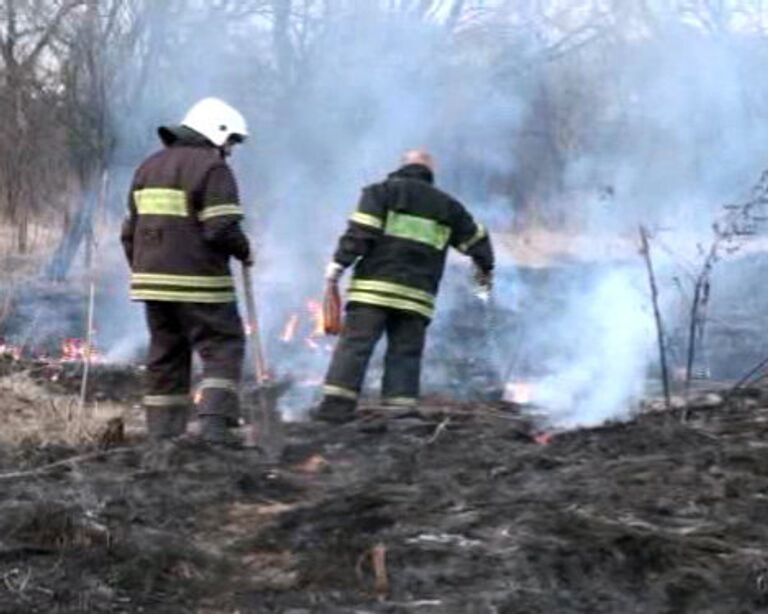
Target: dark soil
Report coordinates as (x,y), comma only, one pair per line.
(465,511)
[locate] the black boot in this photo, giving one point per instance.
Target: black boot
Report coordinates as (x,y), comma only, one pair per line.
(214,429)
(166,422)
(334,411)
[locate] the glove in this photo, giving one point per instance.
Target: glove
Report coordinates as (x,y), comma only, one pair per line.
(248,261)
(483,284)
(333,272)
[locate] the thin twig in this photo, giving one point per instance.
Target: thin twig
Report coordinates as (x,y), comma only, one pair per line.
(438,431)
(73,460)
(747,376)
(700,301)
(646,253)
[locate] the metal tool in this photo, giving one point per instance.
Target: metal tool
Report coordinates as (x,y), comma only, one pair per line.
(266,430)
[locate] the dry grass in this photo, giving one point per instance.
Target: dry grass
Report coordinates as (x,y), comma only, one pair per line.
(32,414)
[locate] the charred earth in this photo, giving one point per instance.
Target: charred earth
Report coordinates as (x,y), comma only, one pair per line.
(460,508)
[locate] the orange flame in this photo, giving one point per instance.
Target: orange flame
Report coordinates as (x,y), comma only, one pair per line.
(315,309)
(75,350)
(289,330)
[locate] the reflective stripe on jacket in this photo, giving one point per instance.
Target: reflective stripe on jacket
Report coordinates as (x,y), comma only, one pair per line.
(398,238)
(183,226)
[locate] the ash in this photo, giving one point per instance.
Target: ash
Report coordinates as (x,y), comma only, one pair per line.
(455,509)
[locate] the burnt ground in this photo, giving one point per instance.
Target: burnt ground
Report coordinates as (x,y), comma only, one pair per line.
(457,510)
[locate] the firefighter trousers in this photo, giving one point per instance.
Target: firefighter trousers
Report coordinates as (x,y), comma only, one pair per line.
(364,325)
(212,331)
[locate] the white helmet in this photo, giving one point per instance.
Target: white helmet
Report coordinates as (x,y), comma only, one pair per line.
(216,120)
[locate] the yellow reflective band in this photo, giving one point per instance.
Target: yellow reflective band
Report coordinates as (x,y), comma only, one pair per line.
(372,285)
(401,401)
(165,400)
(414,228)
(160,201)
(189,281)
(388,301)
(183,296)
(479,234)
(219,210)
(337,391)
(366,219)
(220,383)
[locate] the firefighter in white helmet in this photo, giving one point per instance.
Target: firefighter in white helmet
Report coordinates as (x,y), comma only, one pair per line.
(182,229)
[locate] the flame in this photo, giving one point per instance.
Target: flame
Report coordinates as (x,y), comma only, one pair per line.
(289,330)
(76,350)
(543,438)
(520,392)
(311,343)
(315,309)
(12,351)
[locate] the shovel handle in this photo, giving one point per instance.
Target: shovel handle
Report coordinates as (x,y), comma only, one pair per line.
(252,328)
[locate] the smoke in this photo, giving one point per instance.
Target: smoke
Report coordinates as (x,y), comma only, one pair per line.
(606,342)
(663,129)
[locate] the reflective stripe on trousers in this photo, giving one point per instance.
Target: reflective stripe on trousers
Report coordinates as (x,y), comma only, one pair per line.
(363,327)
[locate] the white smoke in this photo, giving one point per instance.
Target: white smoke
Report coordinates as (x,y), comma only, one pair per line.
(607,341)
(668,128)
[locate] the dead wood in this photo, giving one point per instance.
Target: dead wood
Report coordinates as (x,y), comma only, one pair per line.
(646,252)
(74,460)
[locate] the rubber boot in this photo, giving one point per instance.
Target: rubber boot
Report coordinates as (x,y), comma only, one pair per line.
(334,411)
(165,422)
(177,421)
(214,429)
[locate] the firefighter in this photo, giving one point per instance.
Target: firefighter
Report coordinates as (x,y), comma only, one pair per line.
(182,229)
(397,241)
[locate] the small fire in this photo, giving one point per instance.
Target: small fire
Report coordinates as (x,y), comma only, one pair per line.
(289,330)
(311,343)
(308,325)
(77,350)
(543,438)
(315,309)
(520,392)
(12,351)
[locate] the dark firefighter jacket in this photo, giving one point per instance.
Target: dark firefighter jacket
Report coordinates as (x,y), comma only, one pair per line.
(183,223)
(399,236)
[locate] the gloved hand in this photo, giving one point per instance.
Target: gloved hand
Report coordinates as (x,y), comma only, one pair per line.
(248,260)
(483,284)
(333,272)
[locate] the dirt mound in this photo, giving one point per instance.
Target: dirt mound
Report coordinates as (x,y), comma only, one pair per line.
(455,510)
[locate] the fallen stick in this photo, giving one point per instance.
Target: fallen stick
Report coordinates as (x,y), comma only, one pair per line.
(72,460)
(438,431)
(745,378)
(380,574)
(378,557)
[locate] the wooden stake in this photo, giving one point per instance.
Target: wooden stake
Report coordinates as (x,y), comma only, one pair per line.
(87,351)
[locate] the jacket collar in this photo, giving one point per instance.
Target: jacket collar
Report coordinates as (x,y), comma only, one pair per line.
(414,171)
(181,135)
